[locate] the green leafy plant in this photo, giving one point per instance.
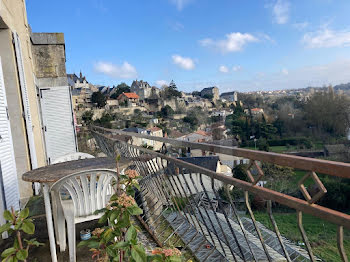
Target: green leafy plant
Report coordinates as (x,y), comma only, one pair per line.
(18,223)
(118,241)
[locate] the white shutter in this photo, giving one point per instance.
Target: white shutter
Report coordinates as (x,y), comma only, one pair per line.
(9,184)
(25,101)
(57,113)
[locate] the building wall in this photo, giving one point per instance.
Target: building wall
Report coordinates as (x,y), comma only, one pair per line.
(49,55)
(13,17)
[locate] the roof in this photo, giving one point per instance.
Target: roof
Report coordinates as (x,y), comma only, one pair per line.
(208,162)
(333,149)
(154,129)
(208,88)
(175,134)
(256,109)
(202,133)
(134,130)
(76,91)
(228,93)
(74,77)
(129,95)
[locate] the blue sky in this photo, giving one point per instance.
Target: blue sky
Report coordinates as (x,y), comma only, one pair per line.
(233,44)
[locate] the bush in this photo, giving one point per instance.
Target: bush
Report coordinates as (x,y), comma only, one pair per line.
(263,145)
(338,194)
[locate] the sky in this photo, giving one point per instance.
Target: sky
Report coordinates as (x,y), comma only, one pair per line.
(232,44)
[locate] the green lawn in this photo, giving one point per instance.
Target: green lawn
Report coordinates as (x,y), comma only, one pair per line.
(281,149)
(322,235)
(276,149)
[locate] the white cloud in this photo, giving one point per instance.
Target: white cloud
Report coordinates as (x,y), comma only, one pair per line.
(285,71)
(301,26)
(237,68)
(280,11)
(333,73)
(180,4)
(223,69)
(161,83)
(183,62)
(233,42)
(177,26)
(125,70)
(326,38)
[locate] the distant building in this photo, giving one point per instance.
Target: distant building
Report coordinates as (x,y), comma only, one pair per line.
(211,91)
(81,97)
(142,89)
(155,131)
(105,90)
(229,96)
(128,99)
(198,136)
(257,111)
(78,82)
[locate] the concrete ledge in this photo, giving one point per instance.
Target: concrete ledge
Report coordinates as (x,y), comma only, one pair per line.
(51,82)
(48,38)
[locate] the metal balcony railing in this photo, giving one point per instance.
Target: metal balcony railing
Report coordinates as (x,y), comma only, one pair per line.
(190,206)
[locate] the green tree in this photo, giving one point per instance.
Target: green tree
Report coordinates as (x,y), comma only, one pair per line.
(121,88)
(87,116)
(99,99)
(328,113)
(171,91)
(166,111)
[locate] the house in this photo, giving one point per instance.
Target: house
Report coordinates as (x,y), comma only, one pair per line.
(221,114)
(155,131)
(36,115)
(128,99)
(78,82)
(254,111)
(81,91)
(136,140)
(142,89)
(212,92)
(198,136)
(81,97)
(230,96)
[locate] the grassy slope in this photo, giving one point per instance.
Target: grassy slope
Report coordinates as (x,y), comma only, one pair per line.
(322,235)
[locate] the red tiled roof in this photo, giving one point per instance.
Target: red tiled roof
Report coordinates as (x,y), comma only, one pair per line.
(256,109)
(128,95)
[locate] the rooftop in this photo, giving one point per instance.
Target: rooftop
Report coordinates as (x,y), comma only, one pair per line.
(129,95)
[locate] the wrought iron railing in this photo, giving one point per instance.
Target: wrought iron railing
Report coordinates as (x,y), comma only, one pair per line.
(190,206)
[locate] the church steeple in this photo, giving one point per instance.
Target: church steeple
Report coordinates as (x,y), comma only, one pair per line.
(81,75)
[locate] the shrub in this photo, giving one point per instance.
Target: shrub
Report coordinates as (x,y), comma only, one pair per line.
(17,224)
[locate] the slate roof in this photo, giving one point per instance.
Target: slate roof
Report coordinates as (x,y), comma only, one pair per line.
(134,130)
(208,162)
(76,91)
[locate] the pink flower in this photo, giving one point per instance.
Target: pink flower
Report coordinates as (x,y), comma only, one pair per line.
(126,201)
(131,173)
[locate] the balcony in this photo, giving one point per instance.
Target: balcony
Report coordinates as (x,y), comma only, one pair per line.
(211,215)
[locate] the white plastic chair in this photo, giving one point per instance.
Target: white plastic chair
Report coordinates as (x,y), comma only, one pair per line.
(71,157)
(65,158)
(76,198)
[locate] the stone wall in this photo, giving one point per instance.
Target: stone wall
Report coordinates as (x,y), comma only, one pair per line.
(49,55)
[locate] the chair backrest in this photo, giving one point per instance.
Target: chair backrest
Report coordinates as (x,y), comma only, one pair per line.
(72,157)
(89,190)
